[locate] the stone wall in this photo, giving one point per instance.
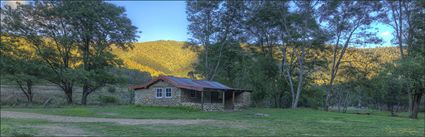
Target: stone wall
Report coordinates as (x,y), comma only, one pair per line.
(12,94)
(207,106)
(243,100)
(213,107)
(182,97)
(148,96)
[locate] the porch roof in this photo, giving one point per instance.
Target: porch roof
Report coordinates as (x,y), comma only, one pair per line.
(186,83)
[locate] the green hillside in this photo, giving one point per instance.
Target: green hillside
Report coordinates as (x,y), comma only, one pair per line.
(166,57)
(159,58)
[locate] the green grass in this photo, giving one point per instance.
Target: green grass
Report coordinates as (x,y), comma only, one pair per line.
(19,127)
(289,122)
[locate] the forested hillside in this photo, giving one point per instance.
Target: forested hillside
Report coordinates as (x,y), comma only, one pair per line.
(171,58)
(363,62)
(272,54)
(159,58)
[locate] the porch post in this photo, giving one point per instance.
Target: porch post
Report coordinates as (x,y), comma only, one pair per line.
(202,100)
(233,99)
(224,98)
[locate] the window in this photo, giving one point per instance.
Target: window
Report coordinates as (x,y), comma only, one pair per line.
(158,92)
(168,92)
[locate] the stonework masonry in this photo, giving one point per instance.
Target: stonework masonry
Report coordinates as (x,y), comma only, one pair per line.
(183,97)
(148,96)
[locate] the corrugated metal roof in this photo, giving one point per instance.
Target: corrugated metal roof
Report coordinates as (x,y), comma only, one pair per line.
(187,83)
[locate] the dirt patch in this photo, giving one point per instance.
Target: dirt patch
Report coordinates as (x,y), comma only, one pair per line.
(55,118)
(109,114)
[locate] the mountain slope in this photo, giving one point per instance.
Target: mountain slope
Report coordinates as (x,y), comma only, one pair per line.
(170,58)
(159,58)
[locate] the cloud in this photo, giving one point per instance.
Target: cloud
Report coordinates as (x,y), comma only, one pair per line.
(13,4)
(386,34)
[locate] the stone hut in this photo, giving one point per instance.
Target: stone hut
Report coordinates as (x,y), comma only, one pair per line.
(201,94)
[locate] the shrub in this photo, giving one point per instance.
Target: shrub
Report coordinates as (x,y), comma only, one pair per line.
(107,99)
(111,89)
(312,97)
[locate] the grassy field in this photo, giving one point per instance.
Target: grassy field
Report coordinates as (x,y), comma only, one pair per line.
(288,122)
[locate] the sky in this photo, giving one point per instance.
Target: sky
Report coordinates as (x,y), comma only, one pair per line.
(166,20)
(158,20)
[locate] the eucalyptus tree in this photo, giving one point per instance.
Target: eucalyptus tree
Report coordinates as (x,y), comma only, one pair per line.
(74,38)
(414,66)
(302,34)
(347,23)
(400,16)
(407,19)
(20,65)
(273,27)
(43,25)
(203,17)
(261,33)
(97,27)
(216,26)
(411,71)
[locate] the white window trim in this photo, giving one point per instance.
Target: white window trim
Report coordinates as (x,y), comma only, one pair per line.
(171,92)
(156,93)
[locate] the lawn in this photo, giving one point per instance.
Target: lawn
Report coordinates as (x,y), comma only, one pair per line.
(288,122)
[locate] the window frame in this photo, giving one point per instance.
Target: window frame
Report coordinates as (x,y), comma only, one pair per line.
(156,93)
(171,92)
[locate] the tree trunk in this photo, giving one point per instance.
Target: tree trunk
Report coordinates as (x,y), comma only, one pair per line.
(335,64)
(346,102)
(400,35)
(29,91)
(328,97)
(300,77)
(339,101)
(68,94)
(86,93)
(391,109)
(275,102)
(84,98)
(285,68)
(359,103)
(416,103)
(409,96)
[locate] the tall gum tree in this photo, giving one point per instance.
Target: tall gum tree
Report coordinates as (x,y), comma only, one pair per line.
(347,22)
(213,24)
(203,17)
(98,26)
(43,26)
(272,26)
(401,17)
(20,65)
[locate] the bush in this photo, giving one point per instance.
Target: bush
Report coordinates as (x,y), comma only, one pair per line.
(312,97)
(111,89)
(108,99)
